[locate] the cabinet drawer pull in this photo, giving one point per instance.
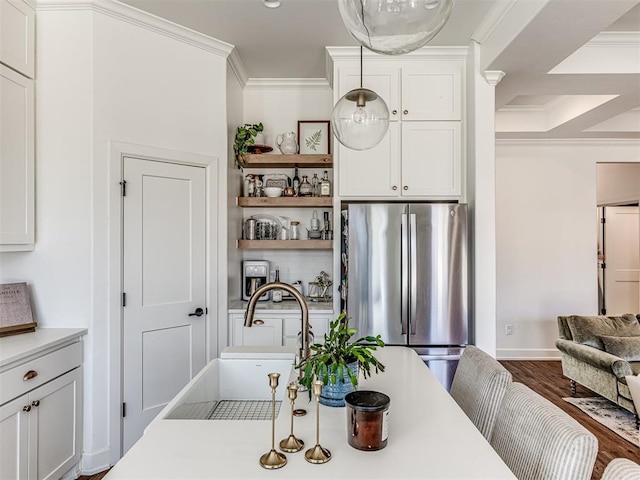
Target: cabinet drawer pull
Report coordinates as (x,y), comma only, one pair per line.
(29,375)
(26,408)
(406,112)
(395,187)
(394,112)
(405,188)
(35,403)
(258,322)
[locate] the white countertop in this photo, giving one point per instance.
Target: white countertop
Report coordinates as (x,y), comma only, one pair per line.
(430,437)
(286,306)
(16,347)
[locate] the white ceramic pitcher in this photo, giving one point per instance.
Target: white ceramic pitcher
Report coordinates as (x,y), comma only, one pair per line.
(287,142)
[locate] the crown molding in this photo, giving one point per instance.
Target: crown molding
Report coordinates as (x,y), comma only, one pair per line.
(237,67)
(443,53)
(569,142)
(31,3)
(491,21)
(493,77)
(279,83)
(142,19)
(615,38)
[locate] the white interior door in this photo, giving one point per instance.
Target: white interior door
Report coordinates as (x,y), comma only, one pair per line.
(622,258)
(164,282)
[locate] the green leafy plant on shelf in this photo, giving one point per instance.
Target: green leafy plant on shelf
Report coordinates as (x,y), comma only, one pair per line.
(245,136)
(329,361)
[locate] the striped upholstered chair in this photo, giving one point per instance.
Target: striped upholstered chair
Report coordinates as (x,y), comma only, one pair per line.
(621,469)
(538,441)
(478,387)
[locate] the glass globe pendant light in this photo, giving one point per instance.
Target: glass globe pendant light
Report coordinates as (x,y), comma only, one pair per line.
(394,27)
(360,119)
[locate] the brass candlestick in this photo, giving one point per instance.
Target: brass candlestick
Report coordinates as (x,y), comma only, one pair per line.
(291,443)
(317,454)
(273,459)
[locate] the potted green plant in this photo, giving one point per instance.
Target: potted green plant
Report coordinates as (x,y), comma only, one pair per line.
(337,360)
(245,136)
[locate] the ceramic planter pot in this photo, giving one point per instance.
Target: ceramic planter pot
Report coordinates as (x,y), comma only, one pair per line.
(333,393)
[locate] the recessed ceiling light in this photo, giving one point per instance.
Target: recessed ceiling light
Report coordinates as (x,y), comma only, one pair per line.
(271,3)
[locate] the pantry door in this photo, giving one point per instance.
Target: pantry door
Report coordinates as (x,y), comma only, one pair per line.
(164,277)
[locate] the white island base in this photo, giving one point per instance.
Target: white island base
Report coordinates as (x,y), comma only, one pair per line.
(430,437)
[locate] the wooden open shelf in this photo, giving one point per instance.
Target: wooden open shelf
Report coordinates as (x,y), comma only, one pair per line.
(266,160)
(293,202)
(285,244)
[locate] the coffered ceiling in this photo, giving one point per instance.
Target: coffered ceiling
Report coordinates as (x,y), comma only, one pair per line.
(572,67)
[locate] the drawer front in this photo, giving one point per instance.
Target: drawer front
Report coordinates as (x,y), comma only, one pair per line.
(37,371)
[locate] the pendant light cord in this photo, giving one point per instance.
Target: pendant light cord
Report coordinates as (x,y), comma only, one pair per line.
(360,66)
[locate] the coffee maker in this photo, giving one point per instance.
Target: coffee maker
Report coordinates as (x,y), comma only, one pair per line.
(255,273)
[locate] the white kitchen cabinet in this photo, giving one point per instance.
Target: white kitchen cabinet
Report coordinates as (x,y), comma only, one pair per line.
(421,155)
(17,182)
(41,412)
(274,329)
(17,36)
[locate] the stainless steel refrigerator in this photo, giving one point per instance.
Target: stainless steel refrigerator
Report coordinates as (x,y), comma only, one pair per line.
(406,272)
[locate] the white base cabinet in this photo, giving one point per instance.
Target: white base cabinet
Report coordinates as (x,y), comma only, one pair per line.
(275,329)
(41,428)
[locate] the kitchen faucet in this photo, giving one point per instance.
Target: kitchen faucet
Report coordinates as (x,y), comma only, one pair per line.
(251,308)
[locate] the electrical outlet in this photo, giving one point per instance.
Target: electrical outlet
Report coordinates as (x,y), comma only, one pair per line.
(508,329)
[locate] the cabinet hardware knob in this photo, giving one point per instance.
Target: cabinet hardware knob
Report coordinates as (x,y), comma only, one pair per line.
(405,188)
(394,112)
(29,375)
(35,403)
(26,408)
(198,313)
(258,322)
(406,112)
(395,187)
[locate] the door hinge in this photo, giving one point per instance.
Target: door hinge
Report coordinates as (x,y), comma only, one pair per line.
(603,311)
(124,409)
(123,185)
(124,299)
(603,265)
(603,220)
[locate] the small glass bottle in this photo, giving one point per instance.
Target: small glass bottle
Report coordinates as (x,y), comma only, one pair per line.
(296,182)
(325,185)
(315,186)
(306,190)
(276,295)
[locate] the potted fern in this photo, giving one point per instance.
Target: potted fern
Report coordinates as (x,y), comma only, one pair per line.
(337,360)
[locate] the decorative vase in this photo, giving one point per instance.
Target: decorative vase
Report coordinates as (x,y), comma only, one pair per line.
(333,393)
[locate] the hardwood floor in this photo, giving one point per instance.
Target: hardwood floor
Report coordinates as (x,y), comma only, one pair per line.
(546,379)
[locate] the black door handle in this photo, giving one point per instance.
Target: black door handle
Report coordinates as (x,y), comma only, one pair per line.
(198,313)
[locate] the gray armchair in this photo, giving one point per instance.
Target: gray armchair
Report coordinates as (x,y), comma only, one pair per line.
(598,352)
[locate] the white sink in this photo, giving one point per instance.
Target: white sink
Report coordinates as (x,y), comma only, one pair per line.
(238,379)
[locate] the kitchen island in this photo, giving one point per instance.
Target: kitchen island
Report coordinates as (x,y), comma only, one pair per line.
(429,437)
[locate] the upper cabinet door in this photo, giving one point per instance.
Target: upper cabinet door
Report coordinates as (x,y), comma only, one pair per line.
(385,81)
(16,161)
(431,93)
(17,36)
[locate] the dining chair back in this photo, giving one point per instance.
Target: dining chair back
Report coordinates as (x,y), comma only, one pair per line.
(621,469)
(478,387)
(538,441)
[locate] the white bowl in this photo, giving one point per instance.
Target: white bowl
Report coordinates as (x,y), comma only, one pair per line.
(273,191)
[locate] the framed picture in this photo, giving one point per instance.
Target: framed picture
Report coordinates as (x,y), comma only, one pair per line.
(314,136)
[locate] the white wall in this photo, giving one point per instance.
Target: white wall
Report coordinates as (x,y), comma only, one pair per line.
(618,183)
(546,237)
(102,78)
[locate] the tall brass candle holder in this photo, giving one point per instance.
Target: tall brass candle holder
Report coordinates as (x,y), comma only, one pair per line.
(292,444)
(317,454)
(273,459)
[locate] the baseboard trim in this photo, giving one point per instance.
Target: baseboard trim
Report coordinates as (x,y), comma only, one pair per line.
(528,354)
(95,462)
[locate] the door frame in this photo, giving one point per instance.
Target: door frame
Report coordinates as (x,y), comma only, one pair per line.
(214,225)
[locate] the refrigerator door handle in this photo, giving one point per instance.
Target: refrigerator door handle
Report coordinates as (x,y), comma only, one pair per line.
(413,294)
(404,312)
